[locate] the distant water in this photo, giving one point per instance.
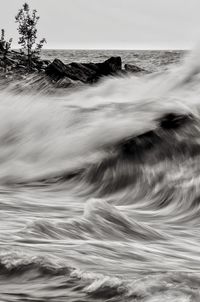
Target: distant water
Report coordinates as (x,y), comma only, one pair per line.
(100,187)
(152,60)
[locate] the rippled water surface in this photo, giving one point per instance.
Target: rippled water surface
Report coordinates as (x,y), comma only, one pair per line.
(151,60)
(99,188)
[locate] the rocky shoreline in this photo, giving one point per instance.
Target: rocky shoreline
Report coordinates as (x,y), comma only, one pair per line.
(13,67)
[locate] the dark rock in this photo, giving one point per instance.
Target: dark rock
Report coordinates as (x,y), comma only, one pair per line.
(112,65)
(84,72)
(133,68)
(92,66)
(109,67)
(75,71)
(81,72)
(56,70)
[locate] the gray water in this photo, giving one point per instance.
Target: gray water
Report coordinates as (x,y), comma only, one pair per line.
(151,60)
(99,196)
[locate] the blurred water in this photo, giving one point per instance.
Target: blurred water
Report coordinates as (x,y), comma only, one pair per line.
(99,196)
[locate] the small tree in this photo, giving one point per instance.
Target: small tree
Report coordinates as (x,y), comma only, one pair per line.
(27,28)
(5,47)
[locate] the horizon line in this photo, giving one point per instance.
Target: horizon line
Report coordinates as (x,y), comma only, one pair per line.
(120,49)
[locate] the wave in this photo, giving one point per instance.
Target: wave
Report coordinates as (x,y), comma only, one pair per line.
(13,264)
(45,137)
(115,169)
(135,137)
(101,220)
(152,287)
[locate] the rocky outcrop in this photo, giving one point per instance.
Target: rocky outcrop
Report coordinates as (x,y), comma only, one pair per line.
(56,70)
(83,72)
(13,66)
(74,71)
(110,66)
(17,61)
(133,68)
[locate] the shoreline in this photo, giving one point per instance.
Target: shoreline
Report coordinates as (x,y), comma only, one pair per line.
(55,73)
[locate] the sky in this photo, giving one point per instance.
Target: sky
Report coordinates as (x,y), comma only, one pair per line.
(110,24)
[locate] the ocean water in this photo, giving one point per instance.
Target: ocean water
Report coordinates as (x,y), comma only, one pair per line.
(99,187)
(151,60)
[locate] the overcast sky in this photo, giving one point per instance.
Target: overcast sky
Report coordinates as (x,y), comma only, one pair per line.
(121,24)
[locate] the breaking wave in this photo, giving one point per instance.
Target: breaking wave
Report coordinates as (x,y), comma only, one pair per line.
(104,187)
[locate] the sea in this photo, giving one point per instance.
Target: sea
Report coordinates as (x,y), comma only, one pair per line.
(100,186)
(150,60)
